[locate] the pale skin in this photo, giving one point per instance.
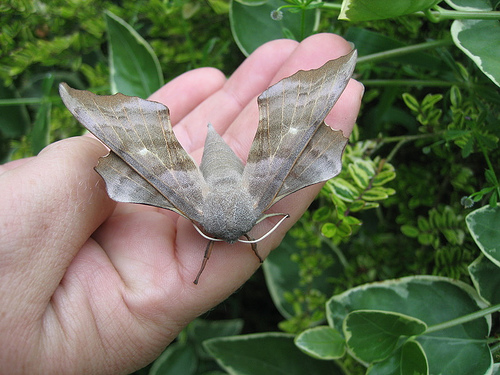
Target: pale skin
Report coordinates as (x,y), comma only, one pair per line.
(91,286)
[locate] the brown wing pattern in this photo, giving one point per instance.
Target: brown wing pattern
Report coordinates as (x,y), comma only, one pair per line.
(146,164)
(293,148)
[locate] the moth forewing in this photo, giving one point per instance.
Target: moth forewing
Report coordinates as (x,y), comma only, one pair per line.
(286,142)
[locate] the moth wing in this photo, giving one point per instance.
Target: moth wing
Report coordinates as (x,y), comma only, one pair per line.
(146,164)
(293,147)
(320,161)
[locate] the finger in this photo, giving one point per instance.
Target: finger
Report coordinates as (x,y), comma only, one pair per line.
(185,92)
(51,205)
(310,54)
(221,108)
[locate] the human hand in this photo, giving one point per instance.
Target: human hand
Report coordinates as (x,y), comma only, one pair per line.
(91,286)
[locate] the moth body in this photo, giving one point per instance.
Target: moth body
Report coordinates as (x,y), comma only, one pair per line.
(293,148)
(228,214)
(228,211)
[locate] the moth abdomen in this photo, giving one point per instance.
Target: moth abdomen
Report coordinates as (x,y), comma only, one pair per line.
(228,215)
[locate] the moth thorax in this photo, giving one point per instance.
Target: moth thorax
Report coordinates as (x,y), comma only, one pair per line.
(228,215)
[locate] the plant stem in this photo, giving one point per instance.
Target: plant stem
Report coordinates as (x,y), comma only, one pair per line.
(402,139)
(331,6)
(410,82)
(463,319)
(337,251)
(385,55)
(23,101)
(441,14)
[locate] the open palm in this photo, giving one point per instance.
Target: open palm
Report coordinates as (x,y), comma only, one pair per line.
(91,286)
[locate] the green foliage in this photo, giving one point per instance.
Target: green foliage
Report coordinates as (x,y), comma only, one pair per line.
(188,355)
(259,354)
(67,40)
(435,312)
(439,223)
(321,342)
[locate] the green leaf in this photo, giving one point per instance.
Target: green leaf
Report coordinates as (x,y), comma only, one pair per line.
(484,226)
(377,193)
(328,230)
(384,177)
(321,342)
(266,354)
(469,5)
(361,172)
(411,102)
(135,69)
(366,10)
(200,330)
(485,276)
(176,359)
(410,231)
(282,275)
(358,206)
(322,214)
(373,335)
(252,26)
(39,136)
(15,119)
(476,38)
(433,300)
(491,177)
(413,359)
(345,190)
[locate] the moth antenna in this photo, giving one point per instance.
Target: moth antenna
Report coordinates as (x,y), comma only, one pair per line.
(268,233)
(205,236)
(208,251)
(271,215)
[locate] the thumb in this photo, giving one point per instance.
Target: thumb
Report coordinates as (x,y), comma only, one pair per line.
(51,204)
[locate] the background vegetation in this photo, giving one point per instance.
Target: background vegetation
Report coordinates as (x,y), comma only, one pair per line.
(415,207)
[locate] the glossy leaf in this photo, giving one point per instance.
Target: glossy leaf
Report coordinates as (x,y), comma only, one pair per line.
(484,226)
(252,26)
(321,342)
(377,193)
(176,359)
(432,300)
(367,10)
(345,190)
(373,335)
(266,354)
(413,359)
(135,69)
(470,5)
(486,278)
(200,330)
(362,172)
(476,38)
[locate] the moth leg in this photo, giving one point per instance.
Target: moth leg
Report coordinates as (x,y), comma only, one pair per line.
(254,247)
(208,251)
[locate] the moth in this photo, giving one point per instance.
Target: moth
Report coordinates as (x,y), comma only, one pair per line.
(223,197)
